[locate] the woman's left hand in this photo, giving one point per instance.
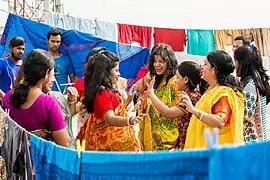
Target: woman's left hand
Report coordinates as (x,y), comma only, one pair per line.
(187,102)
(72,94)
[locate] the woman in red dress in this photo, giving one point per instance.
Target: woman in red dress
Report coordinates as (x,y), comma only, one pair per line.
(108,127)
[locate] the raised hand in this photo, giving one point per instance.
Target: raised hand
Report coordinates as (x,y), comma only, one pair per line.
(72,94)
(185,100)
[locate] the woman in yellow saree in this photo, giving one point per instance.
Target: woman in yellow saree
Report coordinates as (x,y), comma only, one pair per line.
(221,106)
(108,127)
(155,129)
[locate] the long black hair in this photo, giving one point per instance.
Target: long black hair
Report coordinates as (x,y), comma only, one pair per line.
(98,76)
(223,65)
(168,55)
(251,66)
(37,63)
(93,52)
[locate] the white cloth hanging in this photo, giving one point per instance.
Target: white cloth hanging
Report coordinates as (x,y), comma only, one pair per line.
(70,22)
(104,30)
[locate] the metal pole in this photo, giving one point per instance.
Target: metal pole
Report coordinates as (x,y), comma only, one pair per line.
(59,6)
(15,7)
(9,6)
(23,8)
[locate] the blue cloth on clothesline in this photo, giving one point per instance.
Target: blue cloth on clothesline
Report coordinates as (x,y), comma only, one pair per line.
(75,44)
(148,165)
(249,162)
(55,162)
(245,162)
(51,161)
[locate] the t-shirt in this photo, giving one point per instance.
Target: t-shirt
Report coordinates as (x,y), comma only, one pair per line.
(105,100)
(44,113)
(62,69)
(8,72)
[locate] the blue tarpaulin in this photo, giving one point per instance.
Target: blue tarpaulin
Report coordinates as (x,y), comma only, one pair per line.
(75,44)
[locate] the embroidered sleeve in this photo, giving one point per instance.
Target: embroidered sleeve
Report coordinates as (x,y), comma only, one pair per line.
(250,102)
(250,132)
(250,106)
(223,109)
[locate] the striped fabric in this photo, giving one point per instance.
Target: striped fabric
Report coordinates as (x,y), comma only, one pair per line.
(264,116)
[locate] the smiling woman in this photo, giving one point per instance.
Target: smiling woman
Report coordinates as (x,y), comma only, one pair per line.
(156,129)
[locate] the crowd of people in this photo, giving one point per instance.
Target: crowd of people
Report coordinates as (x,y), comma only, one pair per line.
(173,104)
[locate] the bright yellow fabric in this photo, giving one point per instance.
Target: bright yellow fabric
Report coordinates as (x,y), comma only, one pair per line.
(229,134)
(155,129)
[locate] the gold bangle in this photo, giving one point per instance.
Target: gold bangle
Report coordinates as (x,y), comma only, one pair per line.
(128,121)
(73,102)
(201,115)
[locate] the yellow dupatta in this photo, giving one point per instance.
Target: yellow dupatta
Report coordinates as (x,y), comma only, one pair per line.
(229,134)
(155,129)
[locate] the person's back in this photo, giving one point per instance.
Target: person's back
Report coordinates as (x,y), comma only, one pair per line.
(30,107)
(255,81)
(42,114)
